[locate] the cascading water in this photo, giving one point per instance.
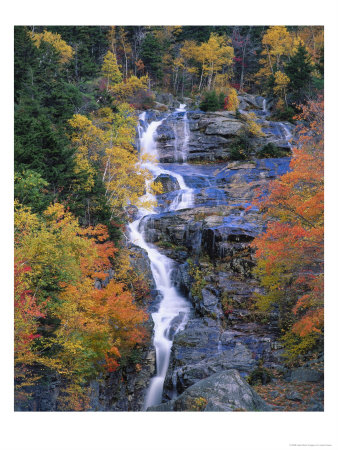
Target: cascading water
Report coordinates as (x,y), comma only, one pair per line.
(181,144)
(287,133)
(186,137)
(173,311)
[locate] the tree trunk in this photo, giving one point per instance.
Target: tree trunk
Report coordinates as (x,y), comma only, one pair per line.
(241,84)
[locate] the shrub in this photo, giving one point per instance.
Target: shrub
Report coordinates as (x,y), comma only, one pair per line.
(210,102)
(284,112)
(253,128)
(240,148)
(221,100)
(260,375)
(198,275)
(232,99)
(197,404)
(271,150)
(142,100)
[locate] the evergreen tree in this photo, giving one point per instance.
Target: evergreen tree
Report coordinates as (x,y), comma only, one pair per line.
(210,102)
(25,60)
(299,70)
(151,55)
(221,100)
(320,64)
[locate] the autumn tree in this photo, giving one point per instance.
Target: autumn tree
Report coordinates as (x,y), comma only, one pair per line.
(290,252)
(64,50)
(108,140)
(63,322)
(214,55)
(126,90)
(27,313)
(278,45)
(185,65)
(110,69)
(281,82)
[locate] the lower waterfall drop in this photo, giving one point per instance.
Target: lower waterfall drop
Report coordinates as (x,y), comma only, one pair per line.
(173,311)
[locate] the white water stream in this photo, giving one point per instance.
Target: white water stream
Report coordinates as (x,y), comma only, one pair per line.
(173,311)
(287,133)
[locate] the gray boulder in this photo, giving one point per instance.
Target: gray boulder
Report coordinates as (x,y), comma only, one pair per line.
(294,396)
(224,127)
(239,358)
(168,182)
(303,374)
(224,391)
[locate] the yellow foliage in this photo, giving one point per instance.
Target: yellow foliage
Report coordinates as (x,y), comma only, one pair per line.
(87,138)
(50,244)
(107,142)
(215,53)
(278,45)
(24,221)
(212,56)
(233,101)
(221,83)
(110,68)
(281,83)
(129,87)
(66,52)
(313,39)
(278,42)
(86,173)
(252,126)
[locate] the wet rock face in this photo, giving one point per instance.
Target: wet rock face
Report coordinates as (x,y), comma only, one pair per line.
(164,133)
(211,134)
(219,224)
(205,347)
(221,334)
(224,391)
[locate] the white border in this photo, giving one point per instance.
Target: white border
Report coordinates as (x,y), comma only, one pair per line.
(169,431)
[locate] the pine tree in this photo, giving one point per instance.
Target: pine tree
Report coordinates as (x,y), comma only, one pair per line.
(210,102)
(151,55)
(299,70)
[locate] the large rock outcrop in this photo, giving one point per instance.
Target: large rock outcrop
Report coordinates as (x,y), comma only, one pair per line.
(224,391)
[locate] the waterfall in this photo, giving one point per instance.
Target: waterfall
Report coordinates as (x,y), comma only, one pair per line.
(185,145)
(287,133)
(181,148)
(173,311)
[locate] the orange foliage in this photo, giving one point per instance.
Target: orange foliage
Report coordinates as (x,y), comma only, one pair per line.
(95,327)
(26,315)
(290,254)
